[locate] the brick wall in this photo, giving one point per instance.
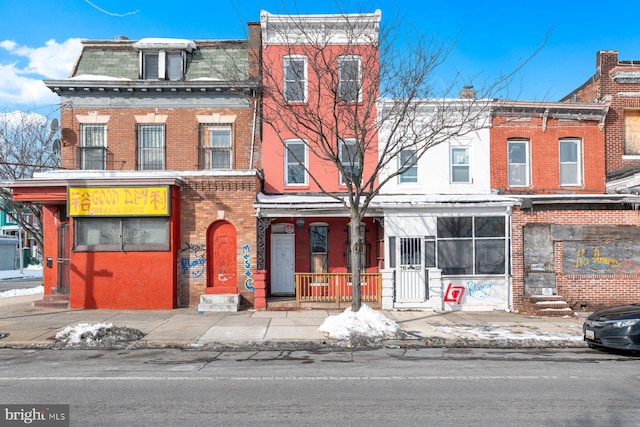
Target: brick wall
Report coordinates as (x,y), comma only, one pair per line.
(181,136)
(544,154)
(587,292)
(205,201)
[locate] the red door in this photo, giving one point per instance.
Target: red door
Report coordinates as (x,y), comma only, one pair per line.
(221,258)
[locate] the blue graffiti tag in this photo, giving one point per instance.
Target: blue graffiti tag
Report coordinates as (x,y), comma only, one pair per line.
(479,292)
(193,268)
(248,283)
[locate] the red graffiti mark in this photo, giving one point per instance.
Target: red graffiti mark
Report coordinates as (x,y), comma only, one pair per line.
(627,267)
(454,294)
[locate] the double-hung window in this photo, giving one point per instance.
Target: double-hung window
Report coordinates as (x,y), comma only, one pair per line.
(518,153)
(570,161)
(350,160)
(295,78)
(92,154)
(151,147)
(295,162)
(217,147)
(408,166)
(319,247)
(162,65)
(349,78)
(460,165)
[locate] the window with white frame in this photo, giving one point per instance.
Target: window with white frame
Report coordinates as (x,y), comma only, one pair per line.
(350,159)
(151,147)
(570,161)
(408,166)
(632,132)
(349,78)
(295,162)
(162,65)
(93,234)
(216,146)
(518,166)
(92,153)
(460,165)
(295,78)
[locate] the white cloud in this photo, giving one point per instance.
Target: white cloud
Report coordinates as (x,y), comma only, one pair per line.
(21,81)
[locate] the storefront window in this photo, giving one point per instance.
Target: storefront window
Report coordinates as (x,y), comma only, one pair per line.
(121,234)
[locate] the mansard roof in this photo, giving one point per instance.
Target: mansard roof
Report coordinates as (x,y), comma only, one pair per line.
(114,65)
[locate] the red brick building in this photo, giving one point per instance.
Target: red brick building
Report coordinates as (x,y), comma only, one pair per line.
(571,239)
(160,149)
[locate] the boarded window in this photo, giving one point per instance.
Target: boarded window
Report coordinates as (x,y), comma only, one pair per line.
(632,132)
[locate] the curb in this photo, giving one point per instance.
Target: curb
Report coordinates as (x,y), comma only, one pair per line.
(329,345)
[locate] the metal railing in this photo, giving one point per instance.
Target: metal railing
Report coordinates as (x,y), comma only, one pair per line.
(336,287)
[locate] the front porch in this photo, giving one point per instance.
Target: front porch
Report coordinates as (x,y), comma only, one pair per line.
(328,291)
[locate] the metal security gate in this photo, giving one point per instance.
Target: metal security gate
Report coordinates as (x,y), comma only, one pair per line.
(62,285)
(411,284)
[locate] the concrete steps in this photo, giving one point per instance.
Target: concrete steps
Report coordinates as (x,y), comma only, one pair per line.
(551,305)
(219,302)
(53,301)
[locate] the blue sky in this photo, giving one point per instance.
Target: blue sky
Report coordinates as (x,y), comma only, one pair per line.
(39,38)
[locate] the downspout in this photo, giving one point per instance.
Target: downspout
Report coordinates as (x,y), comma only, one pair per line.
(508,266)
(253,131)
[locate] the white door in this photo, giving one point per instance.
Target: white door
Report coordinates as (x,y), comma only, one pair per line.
(282,264)
(411,285)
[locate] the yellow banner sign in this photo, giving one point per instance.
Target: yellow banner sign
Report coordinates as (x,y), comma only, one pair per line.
(118,201)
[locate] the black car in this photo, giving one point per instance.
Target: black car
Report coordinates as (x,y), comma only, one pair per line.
(616,328)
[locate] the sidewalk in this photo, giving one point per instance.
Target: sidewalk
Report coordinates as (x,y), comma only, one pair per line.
(31,327)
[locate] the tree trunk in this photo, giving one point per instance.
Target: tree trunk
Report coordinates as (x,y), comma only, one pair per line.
(356,247)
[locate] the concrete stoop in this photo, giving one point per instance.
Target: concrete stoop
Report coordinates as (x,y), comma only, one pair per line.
(53,301)
(219,302)
(551,305)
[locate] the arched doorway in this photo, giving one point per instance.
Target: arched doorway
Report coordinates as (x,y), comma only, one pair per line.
(221,258)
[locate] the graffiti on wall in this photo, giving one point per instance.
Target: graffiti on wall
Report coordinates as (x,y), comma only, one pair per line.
(610,258)
(248,282)
(454,294)
(477,290)
(465,294)
(192,264)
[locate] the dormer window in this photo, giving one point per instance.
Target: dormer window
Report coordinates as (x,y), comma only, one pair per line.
(163,65)
(163,59)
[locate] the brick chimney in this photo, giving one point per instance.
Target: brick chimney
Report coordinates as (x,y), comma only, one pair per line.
(467,92)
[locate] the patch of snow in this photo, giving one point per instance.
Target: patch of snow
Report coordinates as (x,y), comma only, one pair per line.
(82,332)
(495,332)
(366,324)
(97,334)
(96,77)
(22,292)
(32,271)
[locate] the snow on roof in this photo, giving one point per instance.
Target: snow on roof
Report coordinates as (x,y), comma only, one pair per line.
(92,77)
(165,43)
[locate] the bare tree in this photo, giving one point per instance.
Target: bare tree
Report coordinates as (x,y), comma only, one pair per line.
(393,100)
(26,146)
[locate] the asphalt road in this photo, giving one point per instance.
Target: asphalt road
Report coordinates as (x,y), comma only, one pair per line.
(443,387)
(9,284)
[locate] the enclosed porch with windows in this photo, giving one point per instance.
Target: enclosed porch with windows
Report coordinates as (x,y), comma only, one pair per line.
(307,253)
(448,255)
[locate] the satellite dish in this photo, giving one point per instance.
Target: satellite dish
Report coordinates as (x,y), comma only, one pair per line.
(56,145)
(54,125)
